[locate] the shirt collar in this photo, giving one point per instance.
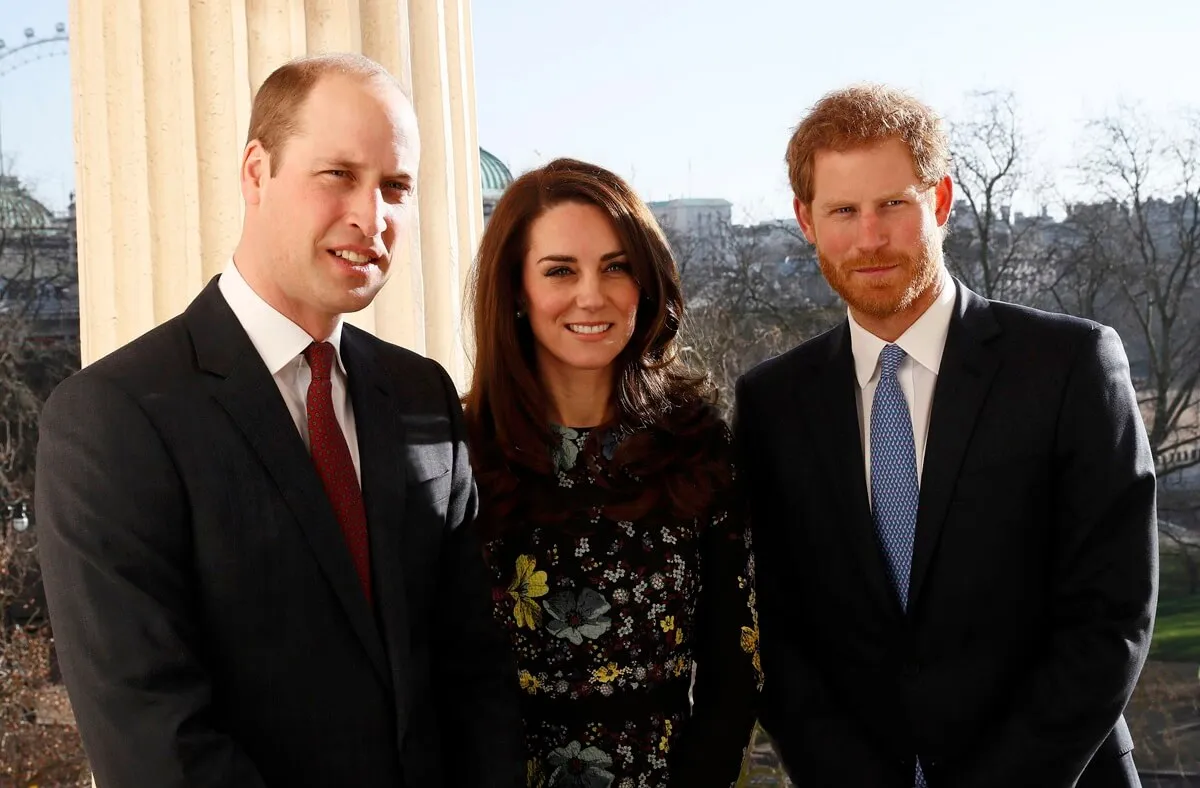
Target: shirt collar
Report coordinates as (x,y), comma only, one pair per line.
(924,340)
(277,339)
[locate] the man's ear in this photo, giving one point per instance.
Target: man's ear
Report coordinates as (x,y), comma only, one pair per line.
(804,218)
(256,169)
(943,199)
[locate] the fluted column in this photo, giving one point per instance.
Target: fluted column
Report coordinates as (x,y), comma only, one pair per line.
(162,105)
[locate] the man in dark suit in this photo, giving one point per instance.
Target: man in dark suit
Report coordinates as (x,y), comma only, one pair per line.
(953,498)
(254,518)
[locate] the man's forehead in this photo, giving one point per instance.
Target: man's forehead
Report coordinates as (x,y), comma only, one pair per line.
(893,151)
(879,185)
(345,135)
(864,170)
(383,92)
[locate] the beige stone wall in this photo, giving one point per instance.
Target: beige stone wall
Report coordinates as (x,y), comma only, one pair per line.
(162,103)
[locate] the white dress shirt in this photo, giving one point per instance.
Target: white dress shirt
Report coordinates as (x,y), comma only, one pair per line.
(923,344)
(281,344)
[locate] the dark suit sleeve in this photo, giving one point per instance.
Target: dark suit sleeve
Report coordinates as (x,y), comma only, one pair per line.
(1104,588)
(712,743)
(114,547)
(807,725)
(475,671)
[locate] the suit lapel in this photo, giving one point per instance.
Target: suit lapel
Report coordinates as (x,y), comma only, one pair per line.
(838,429)
(250,396)
(967,369)
(381,445)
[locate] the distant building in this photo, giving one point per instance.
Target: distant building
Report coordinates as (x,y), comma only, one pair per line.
(494,178)
(38,253)
(38,266)
(19,210)
(697,218)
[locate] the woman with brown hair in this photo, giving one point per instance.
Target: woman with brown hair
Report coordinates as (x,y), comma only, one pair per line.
(620,559)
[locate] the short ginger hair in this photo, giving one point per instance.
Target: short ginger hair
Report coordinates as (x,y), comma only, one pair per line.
(863,116)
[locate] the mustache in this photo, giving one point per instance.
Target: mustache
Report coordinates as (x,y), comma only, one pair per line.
(878,260)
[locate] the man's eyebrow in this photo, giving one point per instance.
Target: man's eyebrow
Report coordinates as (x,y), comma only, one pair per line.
(345,163)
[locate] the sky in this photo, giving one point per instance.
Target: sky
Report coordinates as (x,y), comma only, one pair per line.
(36,138)
(696,98)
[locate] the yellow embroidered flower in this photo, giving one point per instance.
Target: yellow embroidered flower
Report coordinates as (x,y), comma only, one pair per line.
(529,682)
(750,637)
(681,665)
(664,743)
(679,636)
(527,585)
(749,640)
(667,623)
(606,673)
(534,776)
(750,646)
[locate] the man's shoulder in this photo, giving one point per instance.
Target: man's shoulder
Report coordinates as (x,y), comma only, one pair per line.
(1034,319)
(791,365)
(150,365)
(409,371)
(394,356)
(157,354)
(1037,332)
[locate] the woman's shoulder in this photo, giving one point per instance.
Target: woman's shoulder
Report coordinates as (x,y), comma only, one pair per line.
(684,443)
(698,422)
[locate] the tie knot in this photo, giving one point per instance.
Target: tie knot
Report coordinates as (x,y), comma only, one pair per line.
(889,360)
(319,356)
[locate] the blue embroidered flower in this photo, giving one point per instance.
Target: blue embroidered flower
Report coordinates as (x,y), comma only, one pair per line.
(577,767)
(612,438)
(567,451)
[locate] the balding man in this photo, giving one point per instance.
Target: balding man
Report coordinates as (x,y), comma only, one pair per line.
(253,518)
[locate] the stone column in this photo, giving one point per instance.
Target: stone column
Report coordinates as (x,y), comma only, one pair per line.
(162,105)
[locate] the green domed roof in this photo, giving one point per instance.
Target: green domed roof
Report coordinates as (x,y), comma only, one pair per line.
(18,209)
(494,176)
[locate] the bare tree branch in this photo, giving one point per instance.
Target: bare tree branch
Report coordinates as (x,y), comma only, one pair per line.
(1146,238)
(989,247)
(37,274)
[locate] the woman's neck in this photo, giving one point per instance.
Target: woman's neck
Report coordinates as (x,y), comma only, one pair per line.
(582,398)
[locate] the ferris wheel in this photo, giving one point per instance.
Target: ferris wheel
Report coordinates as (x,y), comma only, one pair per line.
(35,47)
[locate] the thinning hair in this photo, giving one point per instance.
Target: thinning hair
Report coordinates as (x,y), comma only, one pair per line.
(274,117)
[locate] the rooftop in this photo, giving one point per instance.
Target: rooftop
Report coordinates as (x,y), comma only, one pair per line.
(18,208)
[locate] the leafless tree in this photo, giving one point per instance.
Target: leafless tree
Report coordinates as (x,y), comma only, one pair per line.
(1149,179)
(753,291)
(991,248)
(38,742)
(1081,257)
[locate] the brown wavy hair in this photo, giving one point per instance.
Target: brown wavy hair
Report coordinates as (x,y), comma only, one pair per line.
(675,449)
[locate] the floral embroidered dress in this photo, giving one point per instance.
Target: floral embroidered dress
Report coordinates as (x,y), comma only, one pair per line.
(606,618)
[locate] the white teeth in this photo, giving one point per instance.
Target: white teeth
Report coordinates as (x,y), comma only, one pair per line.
(580,329)
(353,257)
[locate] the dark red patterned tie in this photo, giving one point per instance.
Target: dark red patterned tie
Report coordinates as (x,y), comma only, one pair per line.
(331,455)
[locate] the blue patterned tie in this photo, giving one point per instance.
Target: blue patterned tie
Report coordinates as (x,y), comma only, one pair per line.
(894,487)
